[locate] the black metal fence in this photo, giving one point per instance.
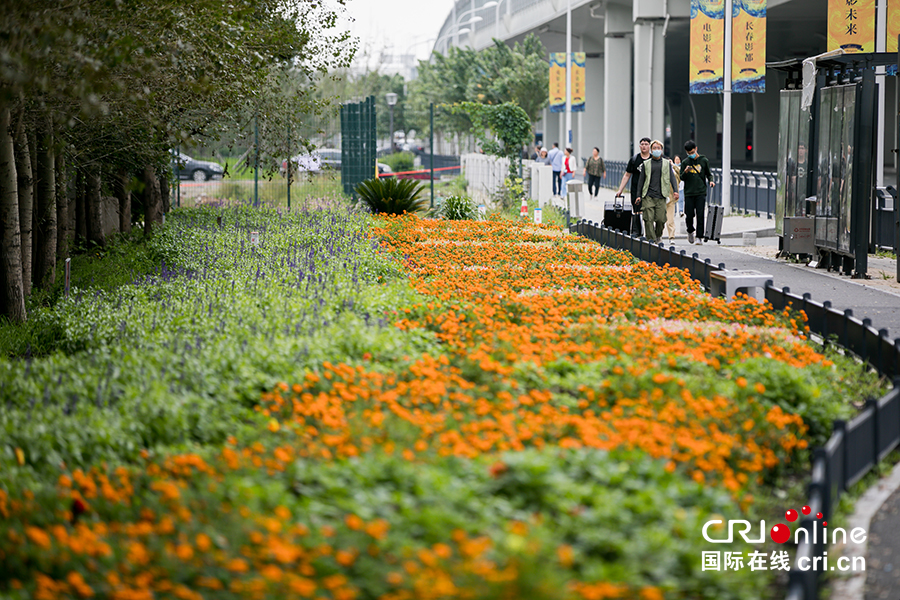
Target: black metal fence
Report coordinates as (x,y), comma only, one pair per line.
(855,446)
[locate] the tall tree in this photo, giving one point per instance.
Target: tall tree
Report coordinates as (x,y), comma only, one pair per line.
(25,189)
(12,298)
(45,232)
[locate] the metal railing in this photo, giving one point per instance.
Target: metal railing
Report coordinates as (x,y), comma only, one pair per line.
(855,446)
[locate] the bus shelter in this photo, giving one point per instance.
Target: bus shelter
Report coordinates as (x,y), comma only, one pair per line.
(826,158)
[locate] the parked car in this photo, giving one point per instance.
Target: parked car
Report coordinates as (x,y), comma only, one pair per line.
(321,159)
(198,170)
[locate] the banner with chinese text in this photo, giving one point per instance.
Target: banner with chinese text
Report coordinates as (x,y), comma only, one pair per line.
(707,46)
(893,24)
(557,82)
(578,81)
(748,47)
(851,25)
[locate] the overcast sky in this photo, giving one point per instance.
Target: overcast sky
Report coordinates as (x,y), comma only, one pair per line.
(397,26)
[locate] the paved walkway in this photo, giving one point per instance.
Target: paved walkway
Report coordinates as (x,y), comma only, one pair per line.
(877,299)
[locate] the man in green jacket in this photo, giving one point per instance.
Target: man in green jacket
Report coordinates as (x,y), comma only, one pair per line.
(656,184)
(695,174)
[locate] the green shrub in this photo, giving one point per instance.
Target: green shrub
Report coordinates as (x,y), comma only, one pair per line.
(459,208)
(509,195)
(392,196)
(400,161)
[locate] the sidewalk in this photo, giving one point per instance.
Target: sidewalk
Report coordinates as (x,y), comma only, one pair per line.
(877,298)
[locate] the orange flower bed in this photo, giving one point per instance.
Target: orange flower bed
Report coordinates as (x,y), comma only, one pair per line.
(507,301)
(539,342)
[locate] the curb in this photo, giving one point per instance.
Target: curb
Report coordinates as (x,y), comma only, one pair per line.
(853,587)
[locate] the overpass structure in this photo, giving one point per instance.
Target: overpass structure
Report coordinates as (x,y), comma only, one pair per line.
(637,73)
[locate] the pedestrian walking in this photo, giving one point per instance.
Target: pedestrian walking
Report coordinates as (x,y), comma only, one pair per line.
(594,171)
(695,174)
(632,172)
(568,170)
(656,184)
(680,204)
(556,164)
(543,158)
(673,200)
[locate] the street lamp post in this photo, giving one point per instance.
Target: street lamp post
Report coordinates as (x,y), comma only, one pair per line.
(497,18)
(458,20)
(391,98)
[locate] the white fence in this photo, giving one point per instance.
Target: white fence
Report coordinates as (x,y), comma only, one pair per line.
(485,175)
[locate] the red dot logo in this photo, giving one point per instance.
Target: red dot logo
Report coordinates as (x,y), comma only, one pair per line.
(780,533)
(819,515)
(791,515)
(806,510)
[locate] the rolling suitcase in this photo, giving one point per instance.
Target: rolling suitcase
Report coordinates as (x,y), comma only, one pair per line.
(617,214)
(713,225)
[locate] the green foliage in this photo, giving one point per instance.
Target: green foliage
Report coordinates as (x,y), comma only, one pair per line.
(508,196)
(518,74)
(458,208)
(399,161)
(494,75)
(182,354)
(391,196)
(501,129)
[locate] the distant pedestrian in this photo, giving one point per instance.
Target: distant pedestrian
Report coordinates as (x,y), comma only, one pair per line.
(568,170)
(632,172)
(673,200)
(556,163)
(594,171)
(695,174)
(537,152)
(680,204)
(656,185)
(544,159)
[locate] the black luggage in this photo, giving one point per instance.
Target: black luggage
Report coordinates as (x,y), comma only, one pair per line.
(713,225)
(617,214)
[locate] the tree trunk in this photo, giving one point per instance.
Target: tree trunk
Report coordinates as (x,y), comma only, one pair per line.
(94,207)
(122,192)
(164,193)
(80,202)
(152,200)
(25,183)
(12,298)
(62,208)
(45,233)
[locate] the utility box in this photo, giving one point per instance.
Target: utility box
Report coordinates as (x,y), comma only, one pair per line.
(575,198)
(799,235)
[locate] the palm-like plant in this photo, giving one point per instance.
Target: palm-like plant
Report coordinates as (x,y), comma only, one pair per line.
(392,196)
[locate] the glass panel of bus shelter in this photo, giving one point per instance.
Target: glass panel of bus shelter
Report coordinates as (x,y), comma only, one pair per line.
(847,168)
(783,124)
(836,155)
(823,168)
(790,194)
(802,161)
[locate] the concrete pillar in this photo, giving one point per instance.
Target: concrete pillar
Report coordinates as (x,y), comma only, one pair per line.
(706,107)
(617,114)
(591,127)
(765,121)
(649,80)
(682,115)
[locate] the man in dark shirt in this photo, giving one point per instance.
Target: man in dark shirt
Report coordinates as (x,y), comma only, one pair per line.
(656,184)
(695,174)
(632,172)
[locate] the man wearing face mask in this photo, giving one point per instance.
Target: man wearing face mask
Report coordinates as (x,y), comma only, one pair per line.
(695,174)
(657,183)
(633,172)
